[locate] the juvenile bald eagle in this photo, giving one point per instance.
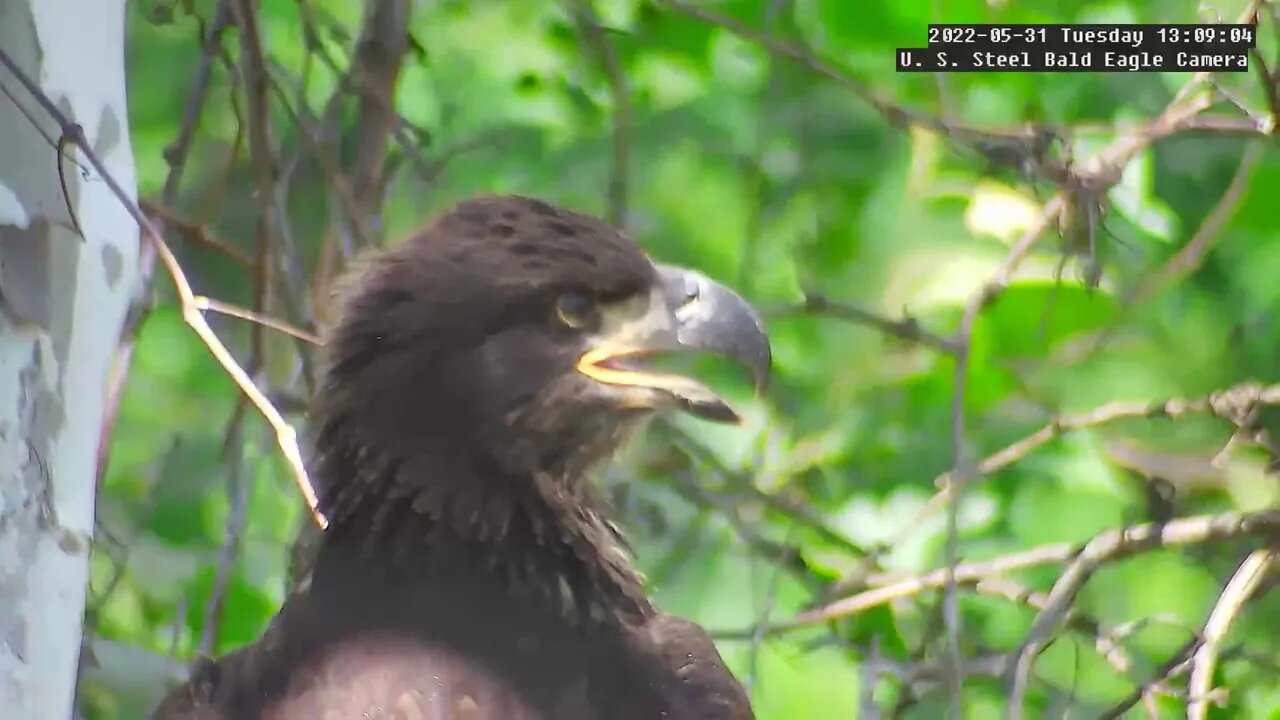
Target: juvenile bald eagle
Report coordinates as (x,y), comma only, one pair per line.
(474,375)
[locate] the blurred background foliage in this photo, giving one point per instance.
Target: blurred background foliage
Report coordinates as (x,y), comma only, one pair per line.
(787,184)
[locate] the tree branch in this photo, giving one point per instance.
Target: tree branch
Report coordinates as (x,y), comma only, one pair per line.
(383,41)
(908,328)
(286,436)
(1113,545)
(1238,591)
(594,35)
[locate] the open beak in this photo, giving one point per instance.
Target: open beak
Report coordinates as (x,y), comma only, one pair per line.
(686,311)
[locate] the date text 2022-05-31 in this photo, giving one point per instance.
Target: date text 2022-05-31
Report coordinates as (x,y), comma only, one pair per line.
(1082,48)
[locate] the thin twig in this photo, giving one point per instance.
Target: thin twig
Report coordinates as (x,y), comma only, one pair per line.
(962,469)
(1107,546)
(334,179)
(798,513)
(407,135)
(754,175)
(175,154)
(766,611)
(195,231)
(52,142)
(869,673)
(238,498)
(908,328)
(1086,188)
(594,35)
(1237,592)
(1113,545)
(888,588)
(216,189)
(286,436)
(203,302)
(263,168)
(263,162)
(894,114)
(1193,252)
(1175,665)
(375,67)
(1103,641)
(1223,403)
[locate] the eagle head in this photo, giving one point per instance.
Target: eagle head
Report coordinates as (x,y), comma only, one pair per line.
(511,336)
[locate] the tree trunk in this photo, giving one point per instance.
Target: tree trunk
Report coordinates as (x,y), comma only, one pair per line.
(63,298)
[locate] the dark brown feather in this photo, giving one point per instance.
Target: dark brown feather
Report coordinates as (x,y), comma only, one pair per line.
(469,571)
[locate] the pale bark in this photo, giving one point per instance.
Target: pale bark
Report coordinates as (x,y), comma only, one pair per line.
(63,299)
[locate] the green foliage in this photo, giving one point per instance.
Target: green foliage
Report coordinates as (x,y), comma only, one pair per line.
(782,182)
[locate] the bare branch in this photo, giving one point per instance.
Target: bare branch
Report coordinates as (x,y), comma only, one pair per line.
(1193,253)
(375,68)
(1105,642)
(594,35)
(195,231)
(204,302)
(961,467)
(337,183)
(1238,591)
(908,328)
(237,518)
(1108,546)
(1175,665)
(286,436)
(1224,403)
(262,158)
(1113,545)
(175,154)
(894,114)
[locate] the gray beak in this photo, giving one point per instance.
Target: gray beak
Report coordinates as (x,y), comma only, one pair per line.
(687,312)
(712,318)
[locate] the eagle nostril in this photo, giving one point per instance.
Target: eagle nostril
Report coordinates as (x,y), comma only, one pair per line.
(691,291)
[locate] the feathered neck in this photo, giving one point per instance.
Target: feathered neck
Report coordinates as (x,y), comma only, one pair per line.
(543,535)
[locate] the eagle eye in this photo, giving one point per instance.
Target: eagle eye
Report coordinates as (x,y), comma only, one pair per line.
(575,310)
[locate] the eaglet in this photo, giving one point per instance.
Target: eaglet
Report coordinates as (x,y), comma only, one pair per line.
(473,377)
